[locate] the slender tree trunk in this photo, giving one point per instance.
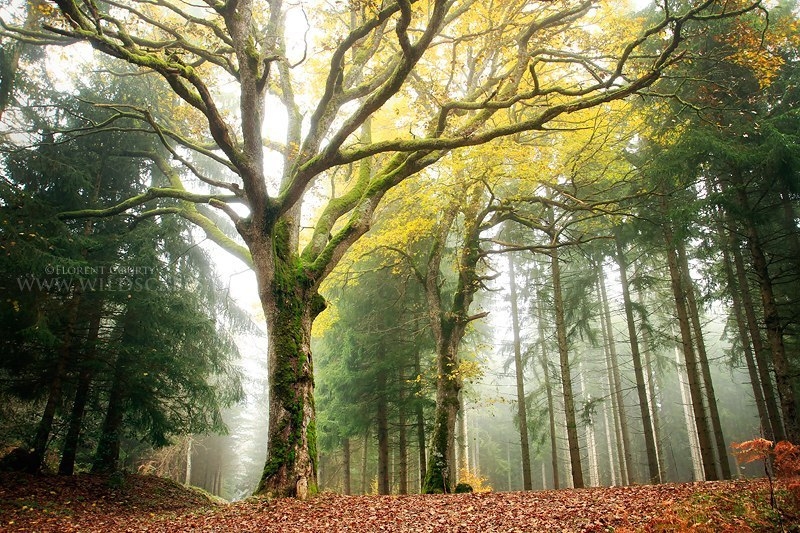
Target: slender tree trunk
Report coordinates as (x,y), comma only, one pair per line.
(693,376)
(772,320)
(702,356)
(641,385)
(759,351)
(364,466)
(566,377)
(423,462)
(736,291)
(382,419)
(85,377)
(402,447)
(70,448)
(744,340)
(612,470)
(107,456)
(522,416)
(551,413)
(463,438)
(55,388)
(591,441)
(621,418)
(346,466)
(653,399)
(189,449)
(688,416)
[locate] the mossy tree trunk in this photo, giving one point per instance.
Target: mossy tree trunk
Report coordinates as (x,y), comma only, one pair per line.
(291,303)
(449,324)
(448,387)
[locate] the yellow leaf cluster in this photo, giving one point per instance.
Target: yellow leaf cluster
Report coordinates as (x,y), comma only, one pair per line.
(474,480)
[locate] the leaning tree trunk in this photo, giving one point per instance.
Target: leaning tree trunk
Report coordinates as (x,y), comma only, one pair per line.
(692,370)
(705,370)
(641,385)
(744,338)
(772,320)
(759,350)
(624,457)
(290,307)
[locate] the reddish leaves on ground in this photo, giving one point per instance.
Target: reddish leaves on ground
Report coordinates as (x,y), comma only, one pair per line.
(145,503)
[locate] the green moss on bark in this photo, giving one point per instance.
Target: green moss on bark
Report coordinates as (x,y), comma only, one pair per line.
(292,381)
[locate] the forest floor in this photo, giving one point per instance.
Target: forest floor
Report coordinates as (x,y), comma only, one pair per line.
(145,503)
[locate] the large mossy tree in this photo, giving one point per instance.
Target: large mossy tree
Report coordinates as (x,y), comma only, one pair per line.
(501,75)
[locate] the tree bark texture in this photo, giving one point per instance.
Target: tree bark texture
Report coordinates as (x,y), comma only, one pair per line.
(290,304)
